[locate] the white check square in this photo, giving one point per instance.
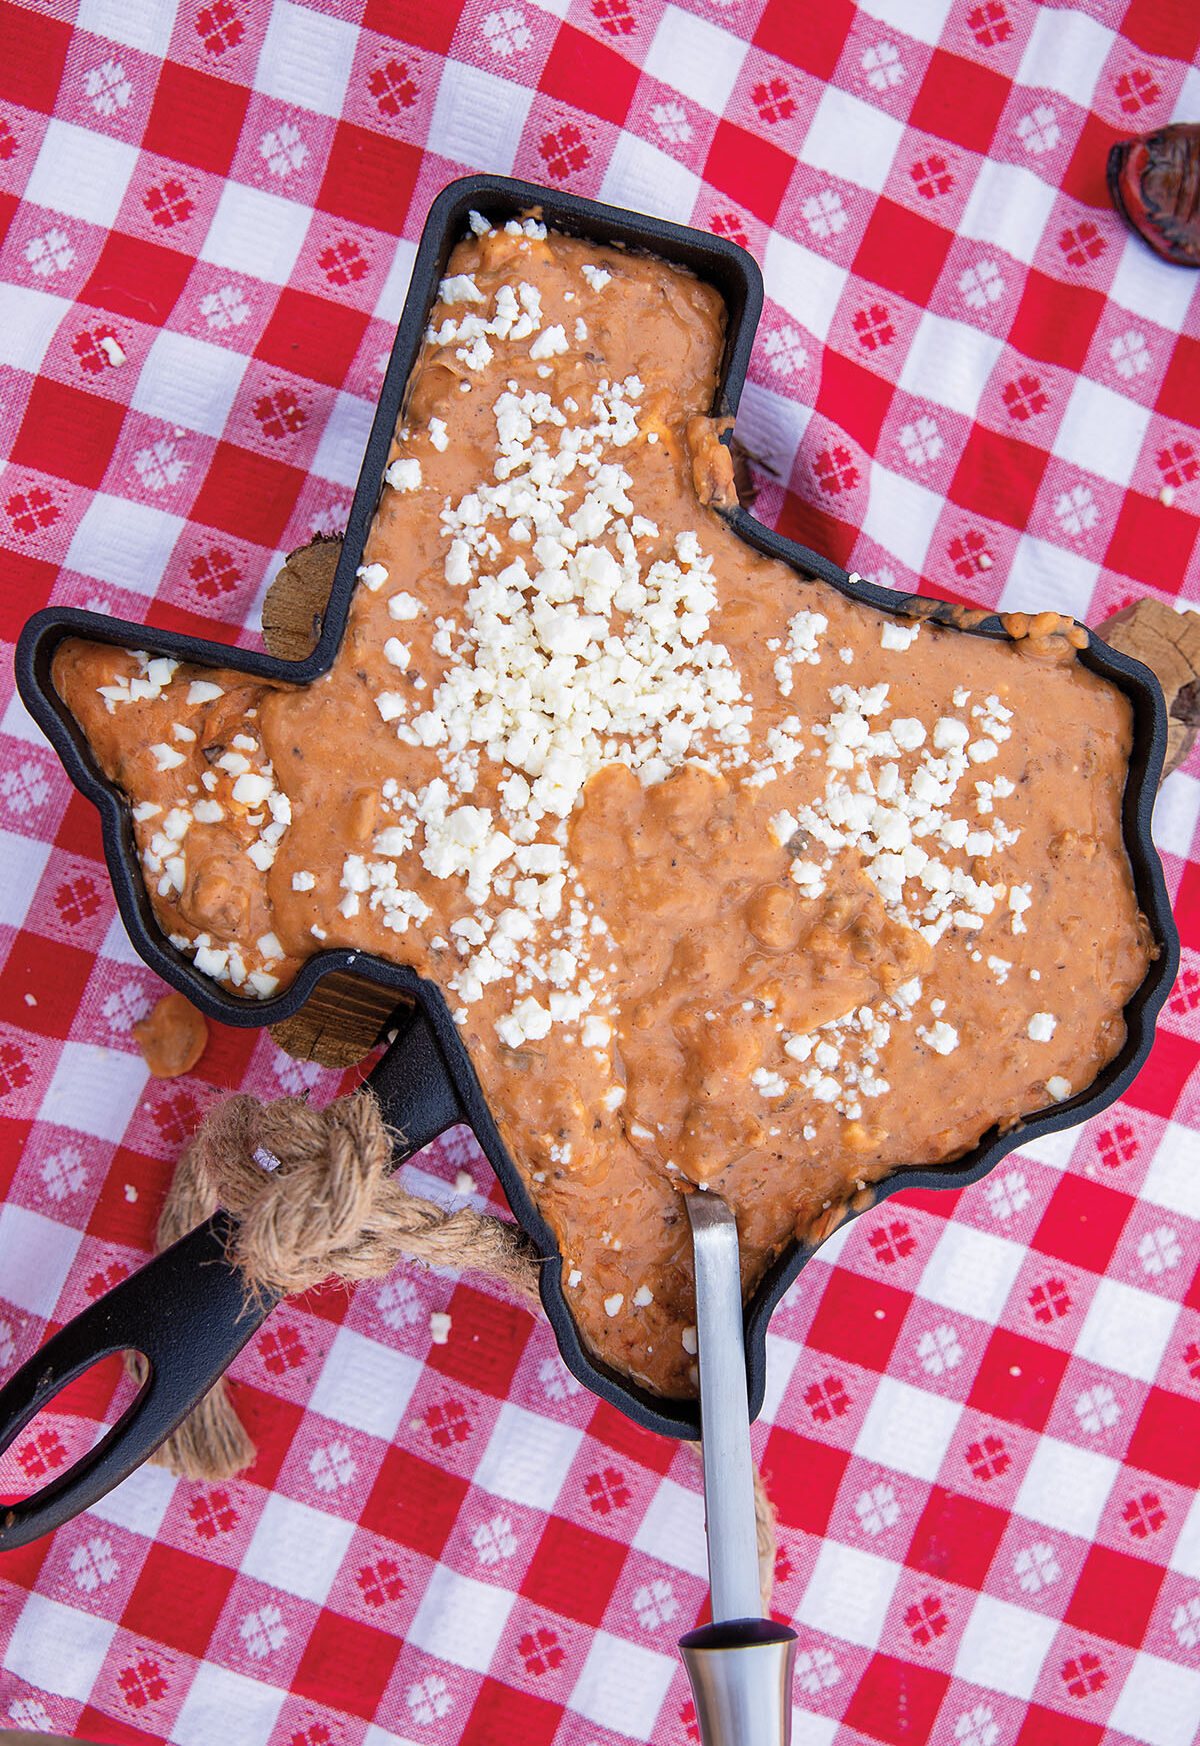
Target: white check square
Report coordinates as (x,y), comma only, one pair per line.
(772,426)
(22,863)
(186,381)
(641,177)
(1047,578)
(1173,1179)
(94,1089)
(807,285)
(365,1385)
(124,543)
(901,516)
(140,1502)
(622,1686)
(306,58)
(390,306)
(20,725)
(696,57)
(340,451)
(1065,1487)
(782,1357)
(1185,1554)
(1102,431)
(138,24)
(460,1620)
(29,320)
(852,139)
(849,1593)
(527,1457)
(478,118)
(256,232)
(950,362)
(1008,207)
(58,1649)
(672,1529)
(1176,812)
(226,1706)
(1066,52)
(1004,1647)
(1126,1329)
(1147,286)
(1159,1702)
(297,1548)
(81,173)
(907,1429)
(971,1272)
(923,19)
(810,1730)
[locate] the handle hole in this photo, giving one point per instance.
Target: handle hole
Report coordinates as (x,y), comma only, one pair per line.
(70,1424)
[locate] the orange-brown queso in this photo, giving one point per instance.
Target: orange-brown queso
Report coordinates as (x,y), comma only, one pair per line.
(727,879)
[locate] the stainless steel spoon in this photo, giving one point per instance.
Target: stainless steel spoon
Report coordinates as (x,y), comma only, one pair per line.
(740,1666)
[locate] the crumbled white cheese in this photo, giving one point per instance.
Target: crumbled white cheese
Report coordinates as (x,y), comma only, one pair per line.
(404,606)
(203,691)
(898,636)
(596,277)
(167,757)
(404,474)
(1042,1027)
(1058,1087)
(303,881)
(613,1304)
(941,1037)
(372,576)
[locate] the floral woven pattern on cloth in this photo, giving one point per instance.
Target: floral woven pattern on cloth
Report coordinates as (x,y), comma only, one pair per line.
(982,1428)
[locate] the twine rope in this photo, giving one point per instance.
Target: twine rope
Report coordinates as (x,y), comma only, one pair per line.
(314,1197)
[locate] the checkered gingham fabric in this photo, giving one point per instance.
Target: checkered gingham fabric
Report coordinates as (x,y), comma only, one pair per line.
(982,1428)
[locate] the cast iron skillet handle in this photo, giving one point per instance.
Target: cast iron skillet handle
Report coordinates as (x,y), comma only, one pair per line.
(187,1311)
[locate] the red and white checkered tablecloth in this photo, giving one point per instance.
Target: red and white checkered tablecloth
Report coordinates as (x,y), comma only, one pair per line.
(982,1427)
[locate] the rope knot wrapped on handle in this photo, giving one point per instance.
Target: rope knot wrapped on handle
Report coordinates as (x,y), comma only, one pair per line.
(314,1199)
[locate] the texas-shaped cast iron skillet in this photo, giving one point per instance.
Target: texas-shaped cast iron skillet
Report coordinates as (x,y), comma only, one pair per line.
(185,1310)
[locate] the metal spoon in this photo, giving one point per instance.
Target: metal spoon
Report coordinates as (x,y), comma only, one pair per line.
(740,1666)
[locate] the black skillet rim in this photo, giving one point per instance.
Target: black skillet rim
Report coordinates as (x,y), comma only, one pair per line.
(737,276)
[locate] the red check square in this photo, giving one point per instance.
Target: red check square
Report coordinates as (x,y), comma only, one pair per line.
(1115,1596)
(369,179)
(998,477)
(413,1503)
(750,170)
(1083,1223)
(902,251)
(33,52)
(177,1599)
(137,279)
(896,1701)
(346,1664)
(811,38)
(573,1571)
(501,1716)
(802,1478)
(859,1319)
(1166,1439)
(960,100)
(588,75)
(956,1538)
(67,432)
(196,118)
(1018,1379)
